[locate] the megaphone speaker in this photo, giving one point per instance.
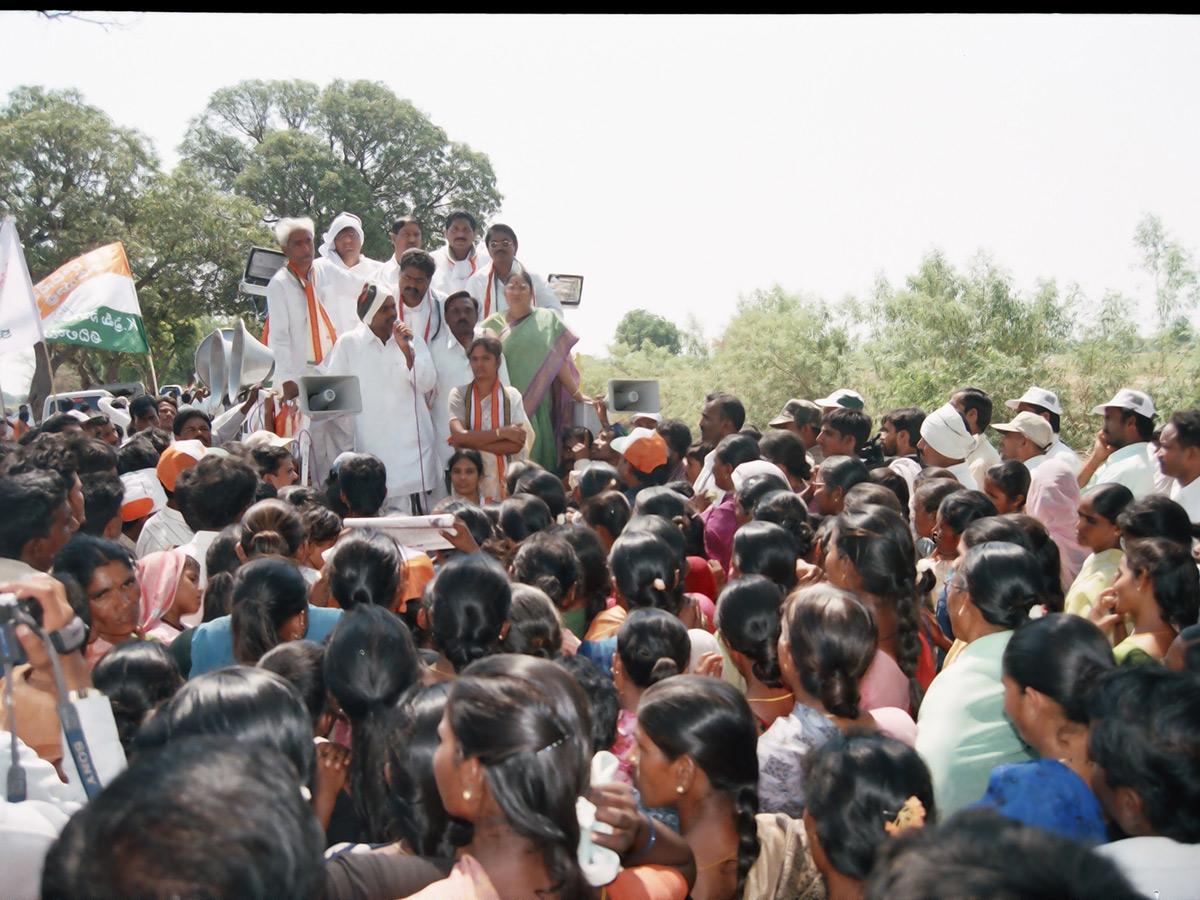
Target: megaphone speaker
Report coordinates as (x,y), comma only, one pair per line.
(629,396)
(249,361)
(329,395)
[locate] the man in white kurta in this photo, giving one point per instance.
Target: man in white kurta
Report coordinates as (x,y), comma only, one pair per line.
(341,248)
(395,371)
(487,284)
(459,259)
(418,304)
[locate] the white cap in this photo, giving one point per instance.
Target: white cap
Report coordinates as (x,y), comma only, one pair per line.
(1135,401)
(842,397)
(945,431)
(1031,425)
(263,438)
(1037,396)
(756,467)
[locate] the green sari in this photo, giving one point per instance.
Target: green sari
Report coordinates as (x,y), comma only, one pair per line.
(536,348)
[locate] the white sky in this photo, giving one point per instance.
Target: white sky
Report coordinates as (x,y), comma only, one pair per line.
(678,163)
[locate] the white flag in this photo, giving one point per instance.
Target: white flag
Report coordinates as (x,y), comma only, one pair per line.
(20,321)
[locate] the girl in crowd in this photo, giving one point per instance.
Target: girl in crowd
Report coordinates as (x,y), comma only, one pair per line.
(962,732)
(170,590)
(533,625)
(1158,587)
(1097,530)
(272,527)
(761,548)
(696,753)
(748,621)
(463,475)
(470,601)
(595,583)
(607,514)
(1007,484)
(863,790)
(788,511)
(364,569)
(645,572)
(826,644)
(652,645)
(546,561)
(137,677)
(105,571)
(1051,665)
(269,607)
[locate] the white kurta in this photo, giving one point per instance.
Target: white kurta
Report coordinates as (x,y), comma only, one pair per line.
(453,370)
(394,424)
(425,319)
(543,295)
(982,458)
(453,274)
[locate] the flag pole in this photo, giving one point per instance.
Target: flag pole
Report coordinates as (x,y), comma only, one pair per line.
(49,372)
(153,374)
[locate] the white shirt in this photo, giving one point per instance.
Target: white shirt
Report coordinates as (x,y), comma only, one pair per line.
(393,425)
(543,295)
(453,274)
(426,318)
(162,531)
(1130,466)
(453,370)
(1059,450)
(336,287)
(1187,496)
(982,458)
(1157,866)
(962,471)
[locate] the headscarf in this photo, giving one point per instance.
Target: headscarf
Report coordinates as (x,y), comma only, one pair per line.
(159,573)
(1053,499)
(945,431)
(344,220)
(371,300)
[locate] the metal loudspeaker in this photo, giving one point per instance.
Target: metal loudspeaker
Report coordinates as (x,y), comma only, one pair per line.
(249,361)
(628,396)
(329,395)
(211,355)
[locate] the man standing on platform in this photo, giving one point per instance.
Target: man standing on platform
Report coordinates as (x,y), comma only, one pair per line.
(487,284)
(460,258)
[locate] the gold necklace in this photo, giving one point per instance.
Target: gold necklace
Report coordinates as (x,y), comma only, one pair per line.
(440,672)
(718,862)
(787,696)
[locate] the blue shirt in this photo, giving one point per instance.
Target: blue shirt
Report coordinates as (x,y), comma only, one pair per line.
(212,643)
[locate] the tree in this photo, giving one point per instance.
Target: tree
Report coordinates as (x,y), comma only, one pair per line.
(1176,284)
(296,149)
(639,328)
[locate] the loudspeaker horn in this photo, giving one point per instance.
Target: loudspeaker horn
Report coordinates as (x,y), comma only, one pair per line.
(210,360)
(329,395)
(628,395)
(249,361)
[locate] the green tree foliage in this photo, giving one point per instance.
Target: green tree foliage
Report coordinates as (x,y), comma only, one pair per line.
(1176,284)
(297,149)
(639,328)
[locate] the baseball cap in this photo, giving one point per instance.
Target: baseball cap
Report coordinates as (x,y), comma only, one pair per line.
(143,494)
(842,397)
(798,412)
(643,448)
(1038,396)
(1031,425)
(179,456)
(1126,398)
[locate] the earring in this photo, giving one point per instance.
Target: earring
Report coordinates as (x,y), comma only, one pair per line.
(679,788)
(466,795)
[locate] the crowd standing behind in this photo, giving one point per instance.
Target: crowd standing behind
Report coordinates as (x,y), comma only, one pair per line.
(825,660)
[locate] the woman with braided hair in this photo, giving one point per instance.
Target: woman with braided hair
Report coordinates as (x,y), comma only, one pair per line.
(695,752)
(748,620)
(470,601)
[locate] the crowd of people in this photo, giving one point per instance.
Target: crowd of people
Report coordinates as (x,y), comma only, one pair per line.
(819,659)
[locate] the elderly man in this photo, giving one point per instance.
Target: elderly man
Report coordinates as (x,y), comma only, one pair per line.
(1179,459)
(946,442)
(721,416)
(487,284)
(976,408)
(450,357)
(1044,403)
(394,371)
(342,245)
(460,259)
(1121,453)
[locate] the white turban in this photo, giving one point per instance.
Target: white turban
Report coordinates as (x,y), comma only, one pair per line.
(380,298)
(754,467)
(285,227)
(945,431)
(343,221)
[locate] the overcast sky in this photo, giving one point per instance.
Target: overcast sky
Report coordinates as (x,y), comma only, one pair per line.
(678,163)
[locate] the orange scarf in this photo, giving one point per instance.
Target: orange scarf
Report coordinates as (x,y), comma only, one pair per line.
(322,334)
(476,422)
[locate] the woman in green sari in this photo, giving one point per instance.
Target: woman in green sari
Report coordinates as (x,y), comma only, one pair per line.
(538,346)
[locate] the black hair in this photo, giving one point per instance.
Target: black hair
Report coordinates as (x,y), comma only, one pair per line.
(601,693)
(272,527)
(880,545)
(84,554)
(894,482)
(749,617)
(534,627)
(1002,529)
(1189,641)
(302,665)
(268,458)
(320,522)
(652,645)
(548,487)
(460,295)
(853,422)
(1145,734)
(491,344)
(595,583)
(266,593)
(159,438)
(981,853)
(399,223)
(930,493)
(669,504)
(1144,424)
(364,569)
(787,510)
(677,435)
(854,787)
(93,456)
(962,508)
(503,229)
(459,214)
(103,494)
(610,510)
(1004,581)
(185,415)
(136,453)
(470,598)
(416,258)
(833,639)
(842,472)
(526,721)
(215,491)
(1012,477)
(1173,577)
(50,452)
(764,548)
(646,570)
(758,486)
(698,450)
(905,418)
(1046,550)
(470,455)
(522,515)
(1187,427)
(1061,656)
(735,449)
(243,705)
(141,406)
(786,450)
(363,480)
(596,478)
(221,562)
(1109,500)
(136,677)
(197,819)
(1154,516)
(518,272)
(731,408)
(710,721)
(547,562)
(868,493)
(576,433)
(370,660)
(974,398)
(474,518)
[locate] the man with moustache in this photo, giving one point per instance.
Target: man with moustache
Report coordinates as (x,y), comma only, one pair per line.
(406,235)
(459,259)
(487,284)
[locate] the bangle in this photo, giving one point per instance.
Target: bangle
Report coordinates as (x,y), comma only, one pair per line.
(646,849)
